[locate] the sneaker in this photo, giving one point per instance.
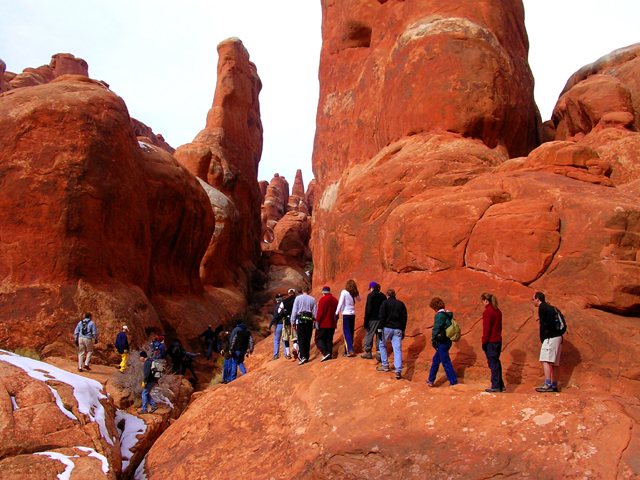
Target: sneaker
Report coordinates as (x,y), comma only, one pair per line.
(287,357)
(275,357)
(79,369)
(398,376)
(153,409)
(430,383)
(302,361)
(493,390)
(87,367)
(503,389)
(547,389)
(367,356)
(142,412)
(326,357)
(351,354)
(383,369)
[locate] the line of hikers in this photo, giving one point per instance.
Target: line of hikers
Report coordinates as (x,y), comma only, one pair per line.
(296,317)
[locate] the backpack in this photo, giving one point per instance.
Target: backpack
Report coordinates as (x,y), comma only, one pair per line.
(453,331)
(157,368)
(176,350)
(559,323)
(85,327)
(155,347)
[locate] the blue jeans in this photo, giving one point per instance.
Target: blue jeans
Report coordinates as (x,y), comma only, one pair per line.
(493,359)
(227,369)
(209,344)
(348,328)
(395,335)
(146,396)
(237,360)
(277,336)
(442,356)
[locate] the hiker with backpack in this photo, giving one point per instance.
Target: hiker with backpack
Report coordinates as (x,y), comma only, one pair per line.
(85,334)
(492,340)
(393,323)
(149,381)
(289,334)
(441,343)
(240,343)
(158,350)
(176,353)
(277,334)
(552,327)
(303,316)
(371,321)
(209,336)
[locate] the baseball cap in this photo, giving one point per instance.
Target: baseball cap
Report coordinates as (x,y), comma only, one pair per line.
(326,290)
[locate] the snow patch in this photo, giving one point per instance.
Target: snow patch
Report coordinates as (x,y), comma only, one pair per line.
(133,426)
(66,461)
(147,148)
(14,404)
(140,472)
(162,399)
(94,454)
(87,392)
(60,404)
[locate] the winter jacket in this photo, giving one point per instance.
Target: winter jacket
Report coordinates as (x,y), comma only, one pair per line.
(547,316)
(347,304)
(441,321)
(208,334)
(91,329)
(147,376)
(491,325)
(393,314)
(326,316)
(122,342)
(372,309)
(242,343)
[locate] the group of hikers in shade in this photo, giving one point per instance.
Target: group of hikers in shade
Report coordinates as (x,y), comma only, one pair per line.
(296,317)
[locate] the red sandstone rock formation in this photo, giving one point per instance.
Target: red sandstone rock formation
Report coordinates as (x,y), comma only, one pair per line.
(141,130)
(273,206)
(93,220)
(225,155)
(310,196)
(4,85)
(67,64)
(296,201)
(600,108)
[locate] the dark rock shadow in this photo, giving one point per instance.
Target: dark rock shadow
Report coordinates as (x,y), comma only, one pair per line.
(570,358)
(418,344)
(464,357)
(513,375)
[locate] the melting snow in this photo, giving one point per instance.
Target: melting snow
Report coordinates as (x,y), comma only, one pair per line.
(94,454)
(145,147)
(60,404)
(69,465)
(14,404)
(133,426)
(162,399)
(140,473)
(87,392)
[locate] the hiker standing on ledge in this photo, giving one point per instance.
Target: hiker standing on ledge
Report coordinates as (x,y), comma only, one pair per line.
(86,333)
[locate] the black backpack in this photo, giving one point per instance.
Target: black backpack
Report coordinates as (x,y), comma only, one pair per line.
(85,327)
(176,351)
(242,340)
(559,323)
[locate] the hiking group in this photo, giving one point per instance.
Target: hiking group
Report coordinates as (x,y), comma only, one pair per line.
(296,317)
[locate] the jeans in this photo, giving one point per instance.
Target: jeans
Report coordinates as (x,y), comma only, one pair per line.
(493,359)
(442,356)
(209,344)
(227,370)
(146,396)
(348,328)
(277,336)
(305,331)
(372,332)
(237,361)
(395,335)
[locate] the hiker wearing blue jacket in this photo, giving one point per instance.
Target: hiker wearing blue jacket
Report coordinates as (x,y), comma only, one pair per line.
(122,346)
(441,343)
(86,333)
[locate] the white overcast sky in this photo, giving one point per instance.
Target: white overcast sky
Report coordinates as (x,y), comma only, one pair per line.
(160,56)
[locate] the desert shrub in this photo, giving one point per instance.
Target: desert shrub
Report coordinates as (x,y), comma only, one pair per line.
(28,352)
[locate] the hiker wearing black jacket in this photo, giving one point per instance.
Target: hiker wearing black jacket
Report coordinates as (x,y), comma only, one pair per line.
(551,344)
(209,336)
(240,343)
(393,322)
(372,320)
(289,333)
(148,382)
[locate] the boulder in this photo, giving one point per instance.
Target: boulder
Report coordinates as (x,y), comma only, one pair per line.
(4,85)
(67,64)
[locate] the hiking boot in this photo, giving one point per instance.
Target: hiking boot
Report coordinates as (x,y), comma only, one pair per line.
(398,376)
(275,357)
(367,356)
(430,383)
(142,412)
(503,389)
(287,357)
(79,369)
(493,390)
(153,409)
(351,354)
(326,357)
(383,369)
(87,367)
(547,389)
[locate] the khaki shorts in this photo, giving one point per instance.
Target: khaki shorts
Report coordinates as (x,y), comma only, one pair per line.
(550,351)
(289,333)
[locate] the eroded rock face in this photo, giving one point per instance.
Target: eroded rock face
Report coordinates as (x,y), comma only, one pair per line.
(92,220)
(225,155)
(600,108)
(67,64)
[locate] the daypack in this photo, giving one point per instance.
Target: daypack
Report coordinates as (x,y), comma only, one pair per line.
(559,324)
(155,347)
(157,368)
(453,331)
(85,327)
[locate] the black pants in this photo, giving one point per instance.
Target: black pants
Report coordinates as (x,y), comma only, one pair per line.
(325,340)
(305,330)
(493,359)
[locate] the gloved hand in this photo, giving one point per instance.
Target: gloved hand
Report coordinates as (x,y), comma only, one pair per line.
(142,384)
(484,347)
(434,344)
